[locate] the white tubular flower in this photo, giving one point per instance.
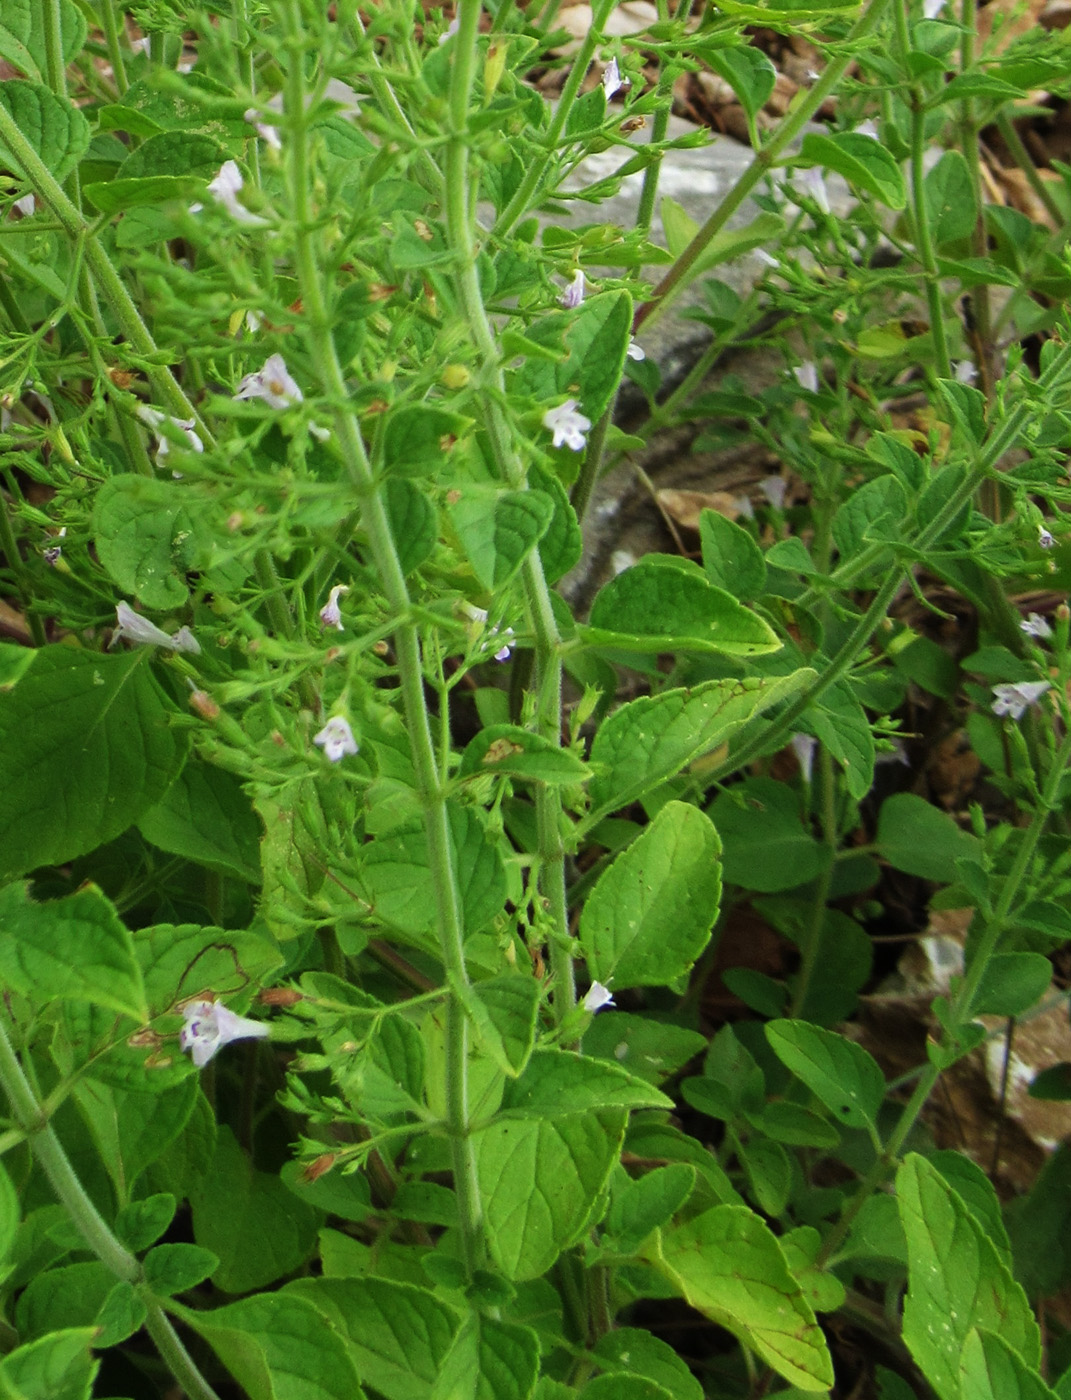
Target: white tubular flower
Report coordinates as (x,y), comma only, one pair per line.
(140,45)
(273,384)
(765,257)
(330,615)
(1035,626)
(774,488)
(336,739)
(209,1026)
(932,8)
(573,296)
(25,205)
(612,80)
(507,636)
(568,426)
(807,376)
(1014,700)
(268,134)
(254,321)
(450,30)
(965,371)
(597,996)
(803,746)
(142,632)
(868,128)
(1045,538)
(634,351)
(154,419)
(811,183)
(224,190)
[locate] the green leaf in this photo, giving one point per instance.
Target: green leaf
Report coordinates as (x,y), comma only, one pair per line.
(134,1127)
(9,1215)
(206,817)
(728,1265)
(539,1181)
(56,1367)
(113,196)
(398,1336)
(650,1049)
(657,607)
(989,1369)
(121,1314)
(173,1268)
(628,1352)
(769,1174)
(920,839)
(864,163)
(956,1281)
(141,1223)
(642,1204)
(839,1073)
(56,130)
(174,153)
(414,522)
(22,35)
(88,747)
(141,526)
(413,437)
(731,558)
(489,1361)
(839,721)
(558,1083)
(67,1297)
(69,949)
(650,914)
(975,1190)
(232,1209)
(519,753)
(179,961)
(1011,984)
(748,72)
(278,1346)
(563,544)
(14,663)
(951,205)
(655,737)
(874,513)
(498,529)
(504,1011)
(397,876)
(594,339)
(764,843)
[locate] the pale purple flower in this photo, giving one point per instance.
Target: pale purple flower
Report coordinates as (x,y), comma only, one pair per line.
(140,45)
(450,30)
(335,91)
(868,128)
(567,425)
(932,8)
(774,488)
(336,739)
(807,376)
(154,419)
(52,553)
(803,746)
(254,320)
(272,383)
(598,996)
(966,371)
(508,636)
(743,506)
(25,205)
(267,133)
(209,1026)
(224,190)
(765,257)
(141,631)
(811,183)
(1013,700)
(1035,626)
(612,80)
(1045,538)
(634,351)
(330,614)
(319,432)
(573,296)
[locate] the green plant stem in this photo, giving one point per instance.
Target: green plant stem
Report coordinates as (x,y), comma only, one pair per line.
(923,233)
(107,279)
(1021,156)
(385,95)
(808,102)
(961,1010)
(71,1194)
(492,391)
(10,546)
(980,303)
(384,552)
(111,24)
(536,173)
(813,943)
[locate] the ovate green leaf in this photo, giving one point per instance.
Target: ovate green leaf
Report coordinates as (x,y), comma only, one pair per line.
(56,130)
(837,1071)
(864,163)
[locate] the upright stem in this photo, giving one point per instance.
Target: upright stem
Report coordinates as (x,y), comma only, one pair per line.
(71,1194)
(808,103)
(548,677)
(406,642)
(111,24)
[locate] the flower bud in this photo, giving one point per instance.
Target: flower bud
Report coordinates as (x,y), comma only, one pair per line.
(454,377)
